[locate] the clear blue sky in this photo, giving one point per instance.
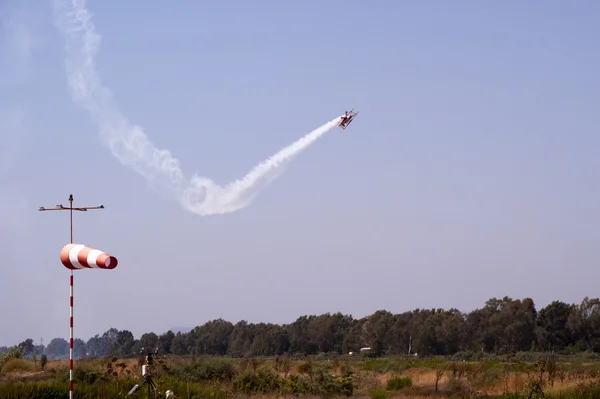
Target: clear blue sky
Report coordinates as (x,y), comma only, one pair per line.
(470,172)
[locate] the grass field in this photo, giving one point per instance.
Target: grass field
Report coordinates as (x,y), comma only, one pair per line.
(382,378)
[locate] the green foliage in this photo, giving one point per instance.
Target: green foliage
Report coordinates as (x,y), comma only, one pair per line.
(397,383)
(224,378)
(503,328)
(456,385)
(13,353)
(260,382)
(313,383)
(283,365)
(306,367)
(17,364)
(585,390)
(86,375)
(208,370)
(379,394)
(320,383)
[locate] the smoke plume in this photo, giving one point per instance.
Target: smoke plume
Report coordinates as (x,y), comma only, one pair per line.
(131,146)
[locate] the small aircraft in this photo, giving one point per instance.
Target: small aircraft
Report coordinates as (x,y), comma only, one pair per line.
(347,118)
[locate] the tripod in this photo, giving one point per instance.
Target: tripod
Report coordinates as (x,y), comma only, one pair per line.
(151,386)
(147,379)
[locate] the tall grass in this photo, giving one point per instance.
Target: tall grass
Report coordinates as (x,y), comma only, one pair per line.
(214,378)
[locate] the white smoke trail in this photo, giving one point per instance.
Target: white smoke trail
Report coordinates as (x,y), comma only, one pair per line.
(130,145)
(204,197)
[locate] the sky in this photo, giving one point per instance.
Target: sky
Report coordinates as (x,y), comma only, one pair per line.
(470,172)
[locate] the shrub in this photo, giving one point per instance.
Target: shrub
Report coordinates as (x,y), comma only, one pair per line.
(283,365)
(259,382)
(306,367)
(209,370)
(15,364)
(321,384)
(13,353)
(396,383)
(86,374)
(585,390)
(379,394)
(43,361)
(455,385)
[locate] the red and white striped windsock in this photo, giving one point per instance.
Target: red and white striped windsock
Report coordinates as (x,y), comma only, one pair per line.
(77,256)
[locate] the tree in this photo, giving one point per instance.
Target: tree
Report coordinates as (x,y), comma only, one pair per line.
(212,338)
(148,343)
(165,340)
(125,343)
(179,344)
(95,347)
(584,324)
(57,349)
(502,325)
(553,332)
(26,347)
(79,348)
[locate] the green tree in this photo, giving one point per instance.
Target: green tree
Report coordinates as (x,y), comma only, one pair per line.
(165,340)
(125,342)
(58,348)
(79,348)
(26,347)
(552,326)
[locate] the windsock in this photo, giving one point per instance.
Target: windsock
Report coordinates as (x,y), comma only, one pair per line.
(77,256)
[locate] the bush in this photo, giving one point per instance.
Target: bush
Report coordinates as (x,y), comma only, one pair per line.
(455,385)
(208,370)
(306,367)
(259,382)
(13,353)
(86,374)
(321,384)
(378,394)
(396,383)
(585,390)
(318,383)
(17,364)
(43,361)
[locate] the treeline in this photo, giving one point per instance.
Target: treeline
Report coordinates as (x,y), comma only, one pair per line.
(501,326)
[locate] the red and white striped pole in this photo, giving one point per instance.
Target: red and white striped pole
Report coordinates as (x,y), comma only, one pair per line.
(71,303)
(71,340)
(71,209)
(75,257)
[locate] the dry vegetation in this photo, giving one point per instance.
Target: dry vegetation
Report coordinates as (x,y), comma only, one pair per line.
(221,378)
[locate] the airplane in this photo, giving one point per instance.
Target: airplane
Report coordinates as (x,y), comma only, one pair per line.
(347,118)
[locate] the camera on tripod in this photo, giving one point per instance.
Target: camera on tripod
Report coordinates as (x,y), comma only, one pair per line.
(149,362)
(152,388)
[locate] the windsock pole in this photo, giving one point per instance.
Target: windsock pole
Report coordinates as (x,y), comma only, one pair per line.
(71,303)
(71,209)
